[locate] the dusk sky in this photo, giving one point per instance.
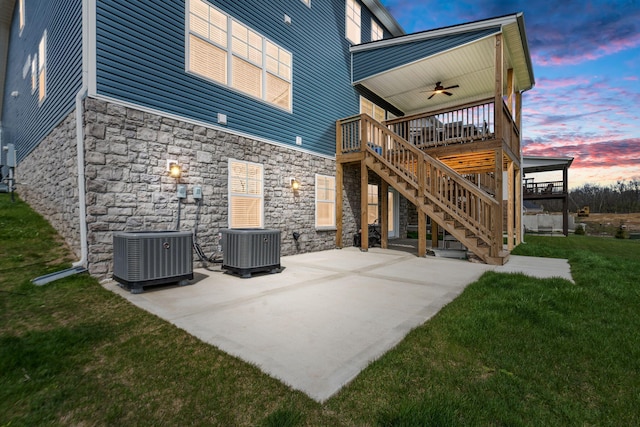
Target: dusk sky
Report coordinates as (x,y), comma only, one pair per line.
(586,62)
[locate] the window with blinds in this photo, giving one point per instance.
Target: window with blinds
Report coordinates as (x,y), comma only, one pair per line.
(245,194)
(372,109)
(42,67)
(34,74)
(372,204)
(353,21)
(228,52)
(325,201)
(21,13)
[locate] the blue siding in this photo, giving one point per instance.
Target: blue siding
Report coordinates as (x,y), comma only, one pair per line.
(367,63)
(25,122)
(141,59)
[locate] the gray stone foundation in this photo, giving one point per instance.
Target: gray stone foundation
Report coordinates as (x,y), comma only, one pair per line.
(128,187)
(48,181)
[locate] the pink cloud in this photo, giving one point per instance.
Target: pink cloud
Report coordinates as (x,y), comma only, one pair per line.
(621,153)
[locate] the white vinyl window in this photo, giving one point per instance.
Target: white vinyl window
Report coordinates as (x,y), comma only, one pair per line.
(34,73)
(373,110)
(376,31)
(21,12)
(42,67)
(246,196)
(325,201)
(228,52)
(372,204)
(353,21)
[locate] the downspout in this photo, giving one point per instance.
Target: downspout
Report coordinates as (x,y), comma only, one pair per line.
(82,196)
(80,96)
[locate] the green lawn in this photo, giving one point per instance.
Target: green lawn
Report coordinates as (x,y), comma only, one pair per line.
(510,350)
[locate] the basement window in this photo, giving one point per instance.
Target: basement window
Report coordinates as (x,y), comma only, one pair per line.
(246,196)
(325,202)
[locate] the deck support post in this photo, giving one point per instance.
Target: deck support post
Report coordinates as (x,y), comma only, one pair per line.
(510,206)
(422,233)
(565,200)
(384,215)
(364,207)
(339,195)
(364,186)
(518,205)
(510,83)
(498,214)
(434,234)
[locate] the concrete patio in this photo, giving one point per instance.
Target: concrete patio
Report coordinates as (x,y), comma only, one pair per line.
(327,315)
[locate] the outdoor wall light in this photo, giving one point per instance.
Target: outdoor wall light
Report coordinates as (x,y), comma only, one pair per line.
(174,170)
(295,184)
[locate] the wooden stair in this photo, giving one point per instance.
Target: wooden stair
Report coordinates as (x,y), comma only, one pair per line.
(458,206)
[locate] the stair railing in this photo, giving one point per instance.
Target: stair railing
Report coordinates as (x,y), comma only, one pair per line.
(442,186)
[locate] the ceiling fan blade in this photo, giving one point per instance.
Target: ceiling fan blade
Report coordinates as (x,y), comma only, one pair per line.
(447,93)
(451,87)
(431,96)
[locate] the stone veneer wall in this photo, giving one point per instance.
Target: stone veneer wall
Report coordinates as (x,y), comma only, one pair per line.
(48,181)
(128,187)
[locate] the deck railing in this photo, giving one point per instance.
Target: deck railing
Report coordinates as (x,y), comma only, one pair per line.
(467,123)
(531,188)
(441,185)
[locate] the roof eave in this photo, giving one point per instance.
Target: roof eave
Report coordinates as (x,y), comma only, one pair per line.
(385,18)
(438,32)
(525,47)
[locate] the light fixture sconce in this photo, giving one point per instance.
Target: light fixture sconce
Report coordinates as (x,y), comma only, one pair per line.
(295,184)
(174,170)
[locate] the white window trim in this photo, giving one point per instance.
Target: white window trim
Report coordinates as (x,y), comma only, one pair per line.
(331,200)
(307,3)
(230,194)
(230,55)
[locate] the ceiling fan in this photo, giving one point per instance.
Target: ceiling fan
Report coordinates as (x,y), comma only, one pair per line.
(440,89)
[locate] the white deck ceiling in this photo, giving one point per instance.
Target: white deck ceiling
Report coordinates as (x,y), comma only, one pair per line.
(471,66)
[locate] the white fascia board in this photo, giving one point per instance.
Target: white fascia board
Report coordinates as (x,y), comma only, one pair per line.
(425,35)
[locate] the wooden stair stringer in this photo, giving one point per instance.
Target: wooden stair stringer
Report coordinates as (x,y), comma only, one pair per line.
(410,190)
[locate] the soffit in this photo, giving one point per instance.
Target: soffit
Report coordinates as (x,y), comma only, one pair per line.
(469,64)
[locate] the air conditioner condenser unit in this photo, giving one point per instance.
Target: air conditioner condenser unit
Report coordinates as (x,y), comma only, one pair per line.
(144,258)
(247,251)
